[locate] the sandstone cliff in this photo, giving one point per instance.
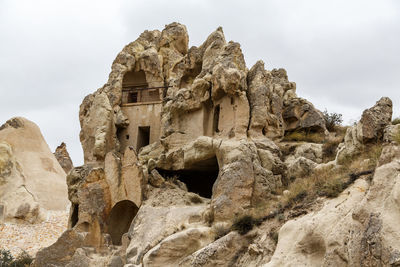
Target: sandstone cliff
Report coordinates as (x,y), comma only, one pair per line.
(191,159)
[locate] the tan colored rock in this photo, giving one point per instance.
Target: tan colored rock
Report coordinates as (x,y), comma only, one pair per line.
(374,120)
(171,122)
(172,249)
(309,151)
(61,252)
(63,158)
(365,231)
(300,167)
(153,224)
(124,178)
(222,252)
(27,168)
(300,115)
(391,132)
(97,134)
(369,129)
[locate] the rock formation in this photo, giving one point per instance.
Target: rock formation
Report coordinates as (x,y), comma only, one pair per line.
(63,158)
(31,180)
(181,142)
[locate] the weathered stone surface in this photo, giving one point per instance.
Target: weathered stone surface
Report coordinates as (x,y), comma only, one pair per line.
(222,252)
(97,127)
(374,120)
(365,232)
(300,115)
(63,158)
(211,115)
(153,224)
(125,179)
(61,252)
(391,133)
(369,129)
(300,167)
(27,168)
(172,249)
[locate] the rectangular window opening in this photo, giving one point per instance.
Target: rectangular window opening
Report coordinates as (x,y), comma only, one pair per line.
(133,97)
(143,137)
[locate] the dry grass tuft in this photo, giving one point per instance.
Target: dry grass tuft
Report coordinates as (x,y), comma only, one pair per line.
(396,137)
(220,230)
(321,183)
(396,121)
(304,137)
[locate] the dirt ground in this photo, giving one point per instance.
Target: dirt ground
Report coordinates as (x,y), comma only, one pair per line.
(32,237)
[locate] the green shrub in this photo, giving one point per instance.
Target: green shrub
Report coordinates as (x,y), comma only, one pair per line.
(331,188)
(396,121)
(7,260)
(244,224)
(23,259)
(332,120)
(195,199)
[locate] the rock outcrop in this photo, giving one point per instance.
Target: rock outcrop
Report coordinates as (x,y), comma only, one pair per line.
(31,180)
(356,229)
(370,129)
(180,141)
(63,158)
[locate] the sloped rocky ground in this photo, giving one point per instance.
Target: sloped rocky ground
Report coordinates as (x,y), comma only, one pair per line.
(17,237)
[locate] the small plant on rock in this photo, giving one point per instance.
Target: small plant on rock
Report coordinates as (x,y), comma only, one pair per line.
(332,120)
(7,260)
(220,230)
(196,199)
(396,137)
(396,121)
(244,224)
(274,235)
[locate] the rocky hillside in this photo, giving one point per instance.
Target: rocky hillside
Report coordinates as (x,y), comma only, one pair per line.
(192,159)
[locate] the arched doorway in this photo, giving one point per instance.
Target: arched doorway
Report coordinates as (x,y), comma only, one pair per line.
(120,219)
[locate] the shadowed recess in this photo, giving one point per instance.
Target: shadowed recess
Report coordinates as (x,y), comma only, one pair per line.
(120,219)
(199,179)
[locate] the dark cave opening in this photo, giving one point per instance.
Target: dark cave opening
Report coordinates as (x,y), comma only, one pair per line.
(74,215)
(120,219)
(199,179)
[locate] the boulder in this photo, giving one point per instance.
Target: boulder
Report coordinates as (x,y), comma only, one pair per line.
(370,128)
(374,120)
(300,167)
(172,249)
(301,115)
(27,168)
(154,224)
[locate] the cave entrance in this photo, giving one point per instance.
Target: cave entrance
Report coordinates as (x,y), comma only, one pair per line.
(143,138)
(199,179)
(74,215)
(120,219)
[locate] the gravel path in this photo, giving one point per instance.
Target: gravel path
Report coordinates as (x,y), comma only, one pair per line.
(32,237)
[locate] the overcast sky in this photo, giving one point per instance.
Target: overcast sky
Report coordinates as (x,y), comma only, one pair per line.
(344,55)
